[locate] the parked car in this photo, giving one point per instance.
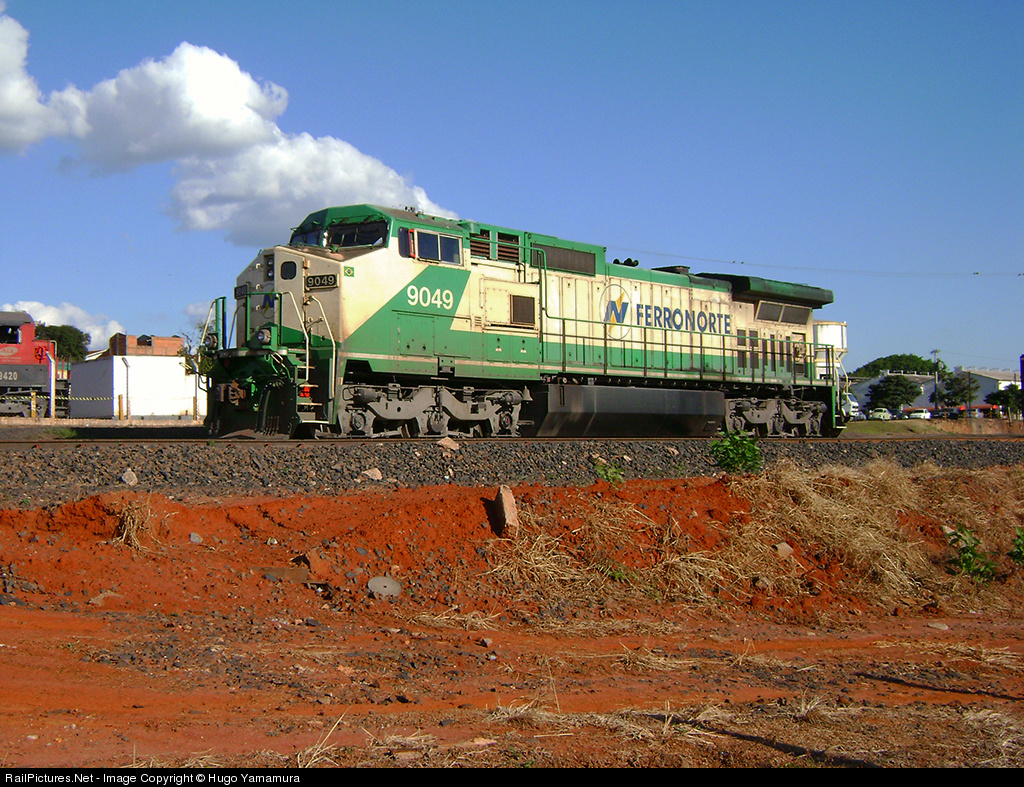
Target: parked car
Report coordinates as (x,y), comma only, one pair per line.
(879,414)
(920,413)
(851,407)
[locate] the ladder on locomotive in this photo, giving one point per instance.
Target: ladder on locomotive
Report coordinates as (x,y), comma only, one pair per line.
(306,405)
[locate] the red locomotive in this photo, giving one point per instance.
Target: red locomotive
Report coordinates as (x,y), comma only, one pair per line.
(27,366)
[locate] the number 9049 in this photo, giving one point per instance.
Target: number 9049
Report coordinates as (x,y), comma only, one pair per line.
(424,296)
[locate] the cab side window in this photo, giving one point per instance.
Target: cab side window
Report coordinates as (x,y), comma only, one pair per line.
(430,246)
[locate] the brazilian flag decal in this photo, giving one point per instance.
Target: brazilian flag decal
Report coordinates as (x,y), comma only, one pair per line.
(350,271)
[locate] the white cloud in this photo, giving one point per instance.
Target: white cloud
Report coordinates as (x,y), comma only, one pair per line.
(238,172)
(194,103)
(275,185)
(24,117)
(99,328)
(197,312)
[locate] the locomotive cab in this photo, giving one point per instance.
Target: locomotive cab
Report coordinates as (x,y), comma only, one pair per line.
(276,354)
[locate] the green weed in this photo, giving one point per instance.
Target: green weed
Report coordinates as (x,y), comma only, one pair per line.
(970,559)
(616,572)
(1016,553)
(736,452)
(608,472)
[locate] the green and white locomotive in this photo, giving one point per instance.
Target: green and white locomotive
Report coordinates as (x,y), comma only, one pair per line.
(382,322)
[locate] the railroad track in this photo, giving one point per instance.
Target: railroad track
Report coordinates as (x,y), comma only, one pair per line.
(71,443)
(40,473)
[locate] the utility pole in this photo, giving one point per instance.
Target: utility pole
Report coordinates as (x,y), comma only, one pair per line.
(935,358)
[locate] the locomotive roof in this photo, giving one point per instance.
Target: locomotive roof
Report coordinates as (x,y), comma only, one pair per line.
(361,213)
(744,288)
(15,318)
(753,289)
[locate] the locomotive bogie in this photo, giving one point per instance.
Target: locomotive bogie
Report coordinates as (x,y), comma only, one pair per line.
(375,321)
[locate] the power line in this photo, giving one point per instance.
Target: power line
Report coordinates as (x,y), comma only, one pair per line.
(845,271)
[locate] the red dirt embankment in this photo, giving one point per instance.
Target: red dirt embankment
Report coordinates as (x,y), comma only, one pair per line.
(139,630)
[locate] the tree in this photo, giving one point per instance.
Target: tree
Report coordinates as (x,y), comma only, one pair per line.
(195,361)
(1009,399)
(72,344)
(959,389)
(893,392)
(913,364)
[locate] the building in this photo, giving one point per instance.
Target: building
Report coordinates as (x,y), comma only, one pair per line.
(926,383)
(137,377)
(989,380)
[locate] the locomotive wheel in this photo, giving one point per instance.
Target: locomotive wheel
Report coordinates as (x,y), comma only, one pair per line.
(437,422)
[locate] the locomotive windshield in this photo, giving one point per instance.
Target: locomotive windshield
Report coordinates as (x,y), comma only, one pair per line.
(365,233)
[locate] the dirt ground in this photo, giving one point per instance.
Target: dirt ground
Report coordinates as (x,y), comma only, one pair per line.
(136,630)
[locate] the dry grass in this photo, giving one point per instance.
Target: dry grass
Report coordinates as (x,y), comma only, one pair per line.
(320,754)
(805,730)
(645,660)
(613,550)
(629,724)
(529,712)
(133,524)
(857,518)
(849,516)
(1005,731)
(415,742)
(452,618)
(989,503)
(999,658)
(607,627)
(549,563)
(873,533)
(193,761)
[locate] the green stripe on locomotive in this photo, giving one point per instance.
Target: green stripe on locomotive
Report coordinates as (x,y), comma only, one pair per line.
(417,326)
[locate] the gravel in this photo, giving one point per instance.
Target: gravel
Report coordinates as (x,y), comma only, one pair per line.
(43,474)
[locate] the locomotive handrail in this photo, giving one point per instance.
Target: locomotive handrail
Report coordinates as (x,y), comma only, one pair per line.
(278,318)
(593,340)
(234,317)
(539,260)
(334,350)
(302,327)
(542,255)
(216,310)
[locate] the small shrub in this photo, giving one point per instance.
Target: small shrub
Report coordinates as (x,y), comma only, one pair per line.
(970,559)
(617,572)
(608,472)
(1016,553)
(736,452)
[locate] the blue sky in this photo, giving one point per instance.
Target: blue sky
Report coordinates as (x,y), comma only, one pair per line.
(874,148)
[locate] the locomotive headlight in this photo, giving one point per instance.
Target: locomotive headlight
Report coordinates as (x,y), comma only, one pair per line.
(210,342)
(264,335)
